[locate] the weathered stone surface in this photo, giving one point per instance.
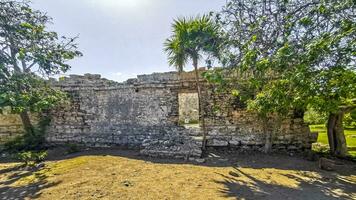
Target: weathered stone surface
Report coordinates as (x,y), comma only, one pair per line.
(327,164)
(218,142)
(143,113)
(11,126)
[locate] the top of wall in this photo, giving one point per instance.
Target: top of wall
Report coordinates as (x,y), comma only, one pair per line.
(96,81)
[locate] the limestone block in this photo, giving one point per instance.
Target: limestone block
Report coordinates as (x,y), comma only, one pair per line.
(217,143)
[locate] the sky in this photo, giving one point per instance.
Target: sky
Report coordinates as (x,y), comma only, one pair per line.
(121,38)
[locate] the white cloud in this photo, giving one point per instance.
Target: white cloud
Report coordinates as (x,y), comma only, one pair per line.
(118,74)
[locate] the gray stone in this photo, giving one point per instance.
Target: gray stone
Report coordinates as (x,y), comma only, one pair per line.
(327,164)
(200,160)
(217,143)
(143,113)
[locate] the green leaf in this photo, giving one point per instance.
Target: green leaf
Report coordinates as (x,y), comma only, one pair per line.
(26,25)
(235,92)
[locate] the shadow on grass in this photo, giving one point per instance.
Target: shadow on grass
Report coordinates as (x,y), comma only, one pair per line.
(32,190)
(351,148)
(327,185)
(214,158)
(251,187)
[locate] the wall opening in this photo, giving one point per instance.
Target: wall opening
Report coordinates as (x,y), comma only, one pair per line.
(188,108)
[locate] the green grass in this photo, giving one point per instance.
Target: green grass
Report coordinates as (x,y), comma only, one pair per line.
(350,135)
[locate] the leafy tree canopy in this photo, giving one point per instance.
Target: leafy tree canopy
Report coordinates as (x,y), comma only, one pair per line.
(28,53)
(28,92)
(295,54)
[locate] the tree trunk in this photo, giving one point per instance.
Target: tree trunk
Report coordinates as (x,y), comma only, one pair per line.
(330,132)
(268,140)
(336,136)
(201,109)
(26,122)
(341,147)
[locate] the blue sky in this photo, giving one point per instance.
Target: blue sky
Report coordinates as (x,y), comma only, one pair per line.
(121,38)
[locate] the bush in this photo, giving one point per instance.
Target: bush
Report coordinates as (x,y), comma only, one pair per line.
(313,117)
(30,158)
(321,148)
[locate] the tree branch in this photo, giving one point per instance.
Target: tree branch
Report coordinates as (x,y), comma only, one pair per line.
(29,67)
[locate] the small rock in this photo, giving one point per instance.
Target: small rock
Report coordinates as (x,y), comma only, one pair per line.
(223,160)
(4,155)
(127,183)
(200,160)
(326,164)
(311,156)
(40,165)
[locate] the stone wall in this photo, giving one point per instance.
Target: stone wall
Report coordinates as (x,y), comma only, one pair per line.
(140,113)
(143,113)
(10,127)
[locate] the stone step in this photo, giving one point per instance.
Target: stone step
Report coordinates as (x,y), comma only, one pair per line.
(189,147)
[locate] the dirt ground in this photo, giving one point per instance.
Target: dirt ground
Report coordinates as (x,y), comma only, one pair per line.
(118,174)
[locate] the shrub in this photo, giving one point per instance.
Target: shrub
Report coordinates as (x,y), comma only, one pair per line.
(313,117)
(321,148)
(30,158)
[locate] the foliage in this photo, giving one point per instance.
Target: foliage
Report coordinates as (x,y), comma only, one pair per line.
(322,142)
(321,148)
(350,120)
(294,53)
(313,117)
(30,158)
(27,44)
(28,92)
(191,38)
(33,141)
(30,52)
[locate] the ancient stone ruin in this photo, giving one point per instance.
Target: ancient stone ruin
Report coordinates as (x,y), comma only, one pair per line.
(156,114)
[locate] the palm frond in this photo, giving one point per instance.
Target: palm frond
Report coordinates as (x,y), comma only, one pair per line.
(176,55)
(190,38)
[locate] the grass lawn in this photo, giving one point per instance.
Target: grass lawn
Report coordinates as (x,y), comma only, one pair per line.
(350,135)
(106,175)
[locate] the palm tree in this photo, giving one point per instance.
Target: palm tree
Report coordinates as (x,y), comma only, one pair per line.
(192,38)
